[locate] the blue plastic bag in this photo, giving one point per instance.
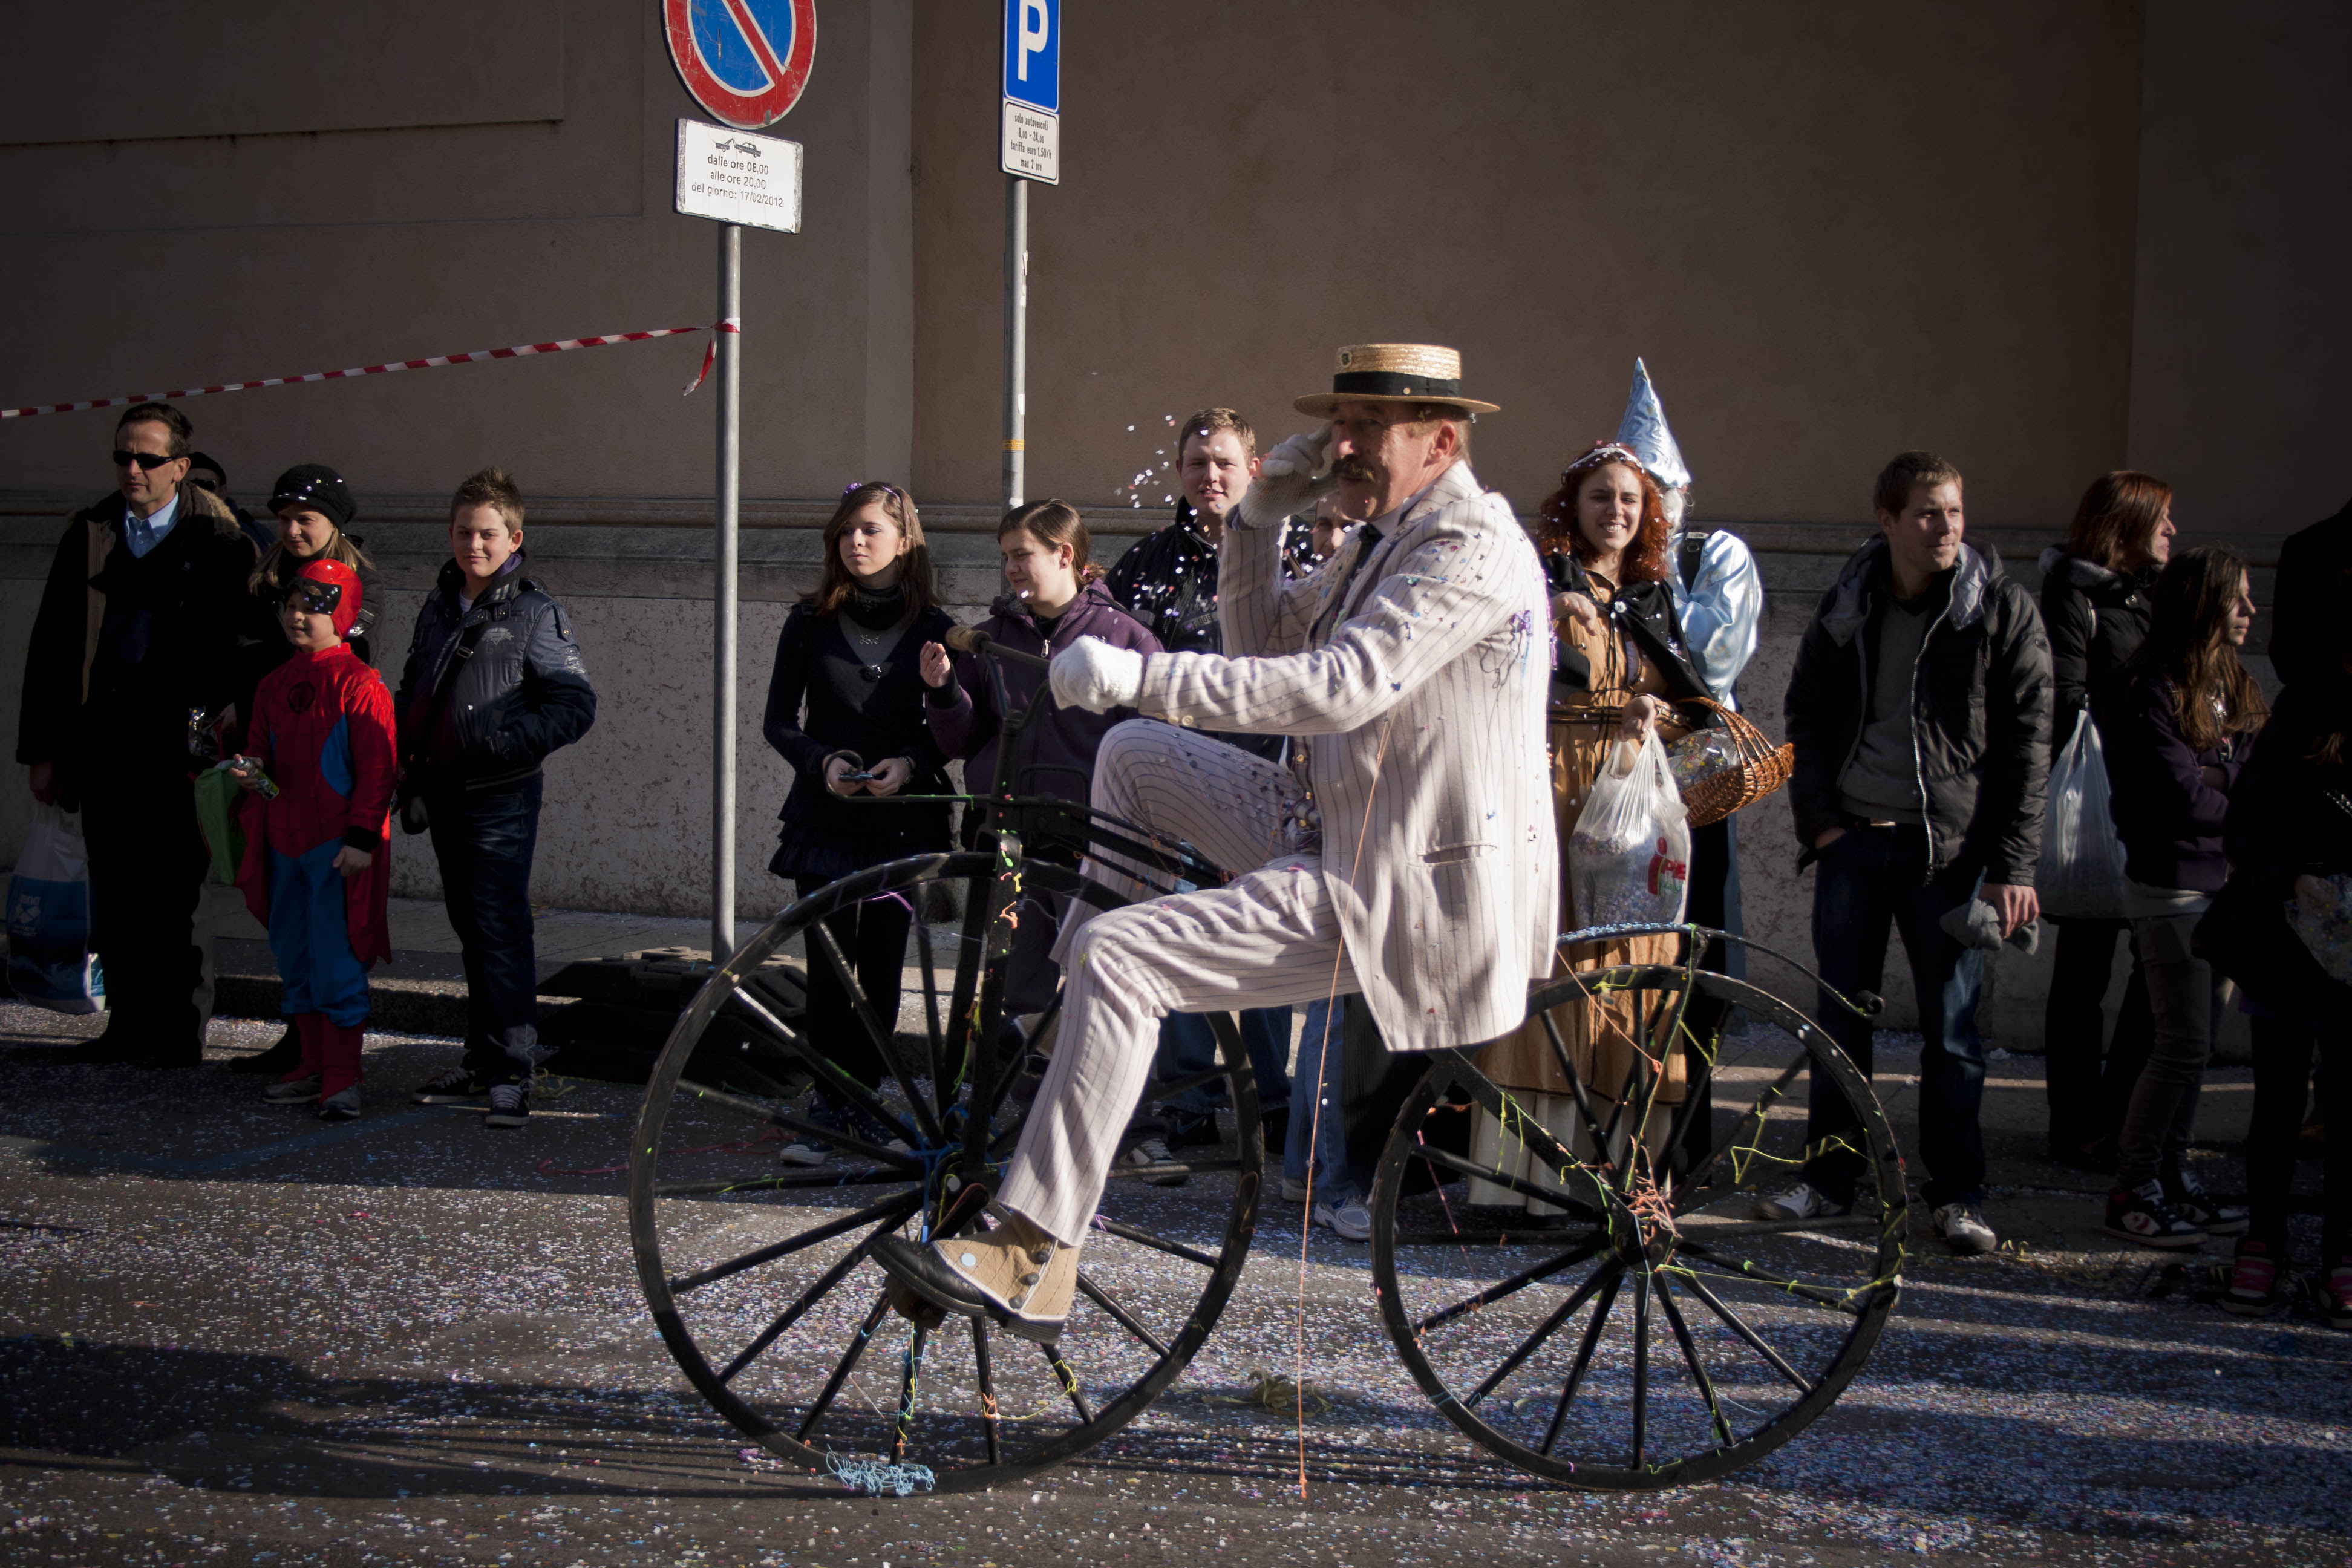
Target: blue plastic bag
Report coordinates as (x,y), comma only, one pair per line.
(50,961)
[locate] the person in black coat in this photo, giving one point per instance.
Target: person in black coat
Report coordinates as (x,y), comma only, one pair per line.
(846,710)
(2307,605)
(2290,824)
(2095,606)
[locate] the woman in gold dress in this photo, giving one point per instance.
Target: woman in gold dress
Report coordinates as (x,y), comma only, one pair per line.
(1603,539)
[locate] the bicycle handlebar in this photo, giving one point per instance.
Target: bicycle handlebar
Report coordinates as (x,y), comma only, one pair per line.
(972,639)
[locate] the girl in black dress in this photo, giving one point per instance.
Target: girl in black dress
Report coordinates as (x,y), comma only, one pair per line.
(846,710)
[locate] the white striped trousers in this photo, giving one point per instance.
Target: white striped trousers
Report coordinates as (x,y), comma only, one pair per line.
(1269,938)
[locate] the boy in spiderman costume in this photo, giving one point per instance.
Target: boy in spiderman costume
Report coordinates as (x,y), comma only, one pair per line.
(317,860)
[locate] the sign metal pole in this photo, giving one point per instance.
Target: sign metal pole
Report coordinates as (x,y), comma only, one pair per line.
(729,367)
(1016,336)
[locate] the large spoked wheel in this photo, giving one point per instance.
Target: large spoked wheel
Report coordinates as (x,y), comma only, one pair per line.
(1651,1330)
(759,1274)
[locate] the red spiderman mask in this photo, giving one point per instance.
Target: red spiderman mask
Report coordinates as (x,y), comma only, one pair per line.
(328,588)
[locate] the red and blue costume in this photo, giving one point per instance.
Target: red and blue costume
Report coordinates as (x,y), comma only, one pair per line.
(323,730)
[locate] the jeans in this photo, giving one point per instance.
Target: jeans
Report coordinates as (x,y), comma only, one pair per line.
(484,843)
(873,939)
(1186,1046)
(1322,1048)
(2184,995)
(2086,1098)
(2283,1085)
(1868,878)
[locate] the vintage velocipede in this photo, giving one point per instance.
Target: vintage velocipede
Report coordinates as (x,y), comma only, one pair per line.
(1653,1335)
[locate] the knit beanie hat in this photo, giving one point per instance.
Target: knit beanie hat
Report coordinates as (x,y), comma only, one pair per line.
(346,610)
(316,486)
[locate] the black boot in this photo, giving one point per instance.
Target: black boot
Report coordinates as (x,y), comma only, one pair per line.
(278,1060)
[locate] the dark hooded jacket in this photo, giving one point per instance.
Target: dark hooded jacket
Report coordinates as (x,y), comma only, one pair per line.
(2168,817)
(2308,603)
(489,690)
(1056,754)
(1981,697)
(2096,619)
(123,647)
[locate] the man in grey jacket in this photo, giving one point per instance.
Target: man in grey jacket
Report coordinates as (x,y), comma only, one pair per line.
(1920,714)
(1408,856)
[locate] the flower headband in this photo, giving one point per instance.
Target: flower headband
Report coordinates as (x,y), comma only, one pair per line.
(1606,452)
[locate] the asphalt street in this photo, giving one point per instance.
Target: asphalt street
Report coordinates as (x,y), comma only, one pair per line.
(233,1336)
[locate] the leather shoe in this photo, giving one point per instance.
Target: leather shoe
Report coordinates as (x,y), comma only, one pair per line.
(114,1046)
(278,1060)
(1016,1275)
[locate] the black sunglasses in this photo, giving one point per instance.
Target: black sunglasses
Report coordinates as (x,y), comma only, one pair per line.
(313,598)
(151,461)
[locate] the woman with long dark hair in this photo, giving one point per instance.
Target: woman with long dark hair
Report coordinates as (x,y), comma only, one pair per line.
(1603,541)
(2095,604)
(2178,727)
(846,710)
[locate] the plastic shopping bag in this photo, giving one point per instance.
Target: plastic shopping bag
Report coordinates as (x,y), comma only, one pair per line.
(50,961)
(1629,859)
(2322,917)
(218,798)
(2082,869)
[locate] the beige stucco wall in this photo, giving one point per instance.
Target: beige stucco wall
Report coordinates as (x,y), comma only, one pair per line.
(2044,239)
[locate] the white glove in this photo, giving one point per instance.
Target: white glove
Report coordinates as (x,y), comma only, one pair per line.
(1288,480)
(1092,675)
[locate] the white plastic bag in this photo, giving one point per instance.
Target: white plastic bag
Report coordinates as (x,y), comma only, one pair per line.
(2082,869)
(1629,859)
(50,961)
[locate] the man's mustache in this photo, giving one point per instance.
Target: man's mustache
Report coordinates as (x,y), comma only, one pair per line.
(1352,468)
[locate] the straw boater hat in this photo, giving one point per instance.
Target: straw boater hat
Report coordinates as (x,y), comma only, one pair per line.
(1395,373)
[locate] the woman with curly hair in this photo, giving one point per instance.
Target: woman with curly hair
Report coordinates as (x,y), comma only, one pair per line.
(1603,540)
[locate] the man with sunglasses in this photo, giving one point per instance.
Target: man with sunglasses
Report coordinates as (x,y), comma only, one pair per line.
(137,628)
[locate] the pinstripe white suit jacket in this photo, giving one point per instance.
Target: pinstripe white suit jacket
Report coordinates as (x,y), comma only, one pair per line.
(1423,711)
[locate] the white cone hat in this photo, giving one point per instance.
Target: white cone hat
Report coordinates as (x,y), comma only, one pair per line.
(1644,429)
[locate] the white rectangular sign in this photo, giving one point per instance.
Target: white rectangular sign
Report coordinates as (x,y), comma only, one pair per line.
(737,177)
(1032,143)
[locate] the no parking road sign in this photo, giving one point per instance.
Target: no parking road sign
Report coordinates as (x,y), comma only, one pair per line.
(1031,123)
(746,61)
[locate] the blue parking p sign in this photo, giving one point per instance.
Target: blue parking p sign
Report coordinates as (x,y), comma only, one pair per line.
(1032,54)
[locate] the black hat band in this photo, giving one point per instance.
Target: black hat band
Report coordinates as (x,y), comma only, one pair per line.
(1395,383)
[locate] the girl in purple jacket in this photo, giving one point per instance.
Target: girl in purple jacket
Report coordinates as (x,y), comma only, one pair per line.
(2177,728)
(1055,599)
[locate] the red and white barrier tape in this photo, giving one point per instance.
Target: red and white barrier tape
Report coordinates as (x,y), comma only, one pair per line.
(710,354)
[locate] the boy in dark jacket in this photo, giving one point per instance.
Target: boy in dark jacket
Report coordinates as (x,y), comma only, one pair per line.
(1920,714)
(492,685)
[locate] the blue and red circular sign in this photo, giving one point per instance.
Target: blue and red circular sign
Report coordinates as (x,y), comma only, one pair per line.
(745,61)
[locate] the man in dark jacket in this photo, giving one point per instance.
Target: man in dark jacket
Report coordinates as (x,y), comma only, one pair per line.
(1920,714)
(2313,566)
(493,684)
(1167,580)
(137,626)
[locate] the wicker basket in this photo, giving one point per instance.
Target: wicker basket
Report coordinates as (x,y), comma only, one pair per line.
(1763,768)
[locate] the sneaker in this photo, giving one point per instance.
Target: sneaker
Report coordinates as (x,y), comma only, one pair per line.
(509,1106)
(1963,1229)
(1349,1220)
(1194,1132)
(803,1151)
(1293,1192)
(2335,1294)
(1147,1152)
(458,1086)
(344,1106)
(292,1091)
(1803,1201)
(2192,1202)
(2142,1215)
(2256,1276)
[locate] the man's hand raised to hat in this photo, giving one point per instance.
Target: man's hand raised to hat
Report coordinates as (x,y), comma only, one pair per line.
(1092,675)
(1288,479)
